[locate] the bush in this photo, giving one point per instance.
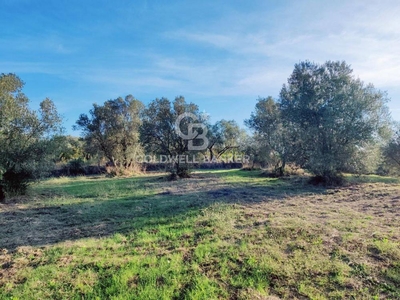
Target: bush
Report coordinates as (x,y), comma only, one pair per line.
(184,172)
(76,167)
(134,169)
(15,182)
(327,180)
(179,171)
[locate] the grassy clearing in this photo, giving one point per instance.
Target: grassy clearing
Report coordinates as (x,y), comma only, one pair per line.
(219,235)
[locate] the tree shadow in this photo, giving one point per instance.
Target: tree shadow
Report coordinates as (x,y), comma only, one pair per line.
(101,218)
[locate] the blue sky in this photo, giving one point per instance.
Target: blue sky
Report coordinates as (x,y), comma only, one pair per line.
(221,55)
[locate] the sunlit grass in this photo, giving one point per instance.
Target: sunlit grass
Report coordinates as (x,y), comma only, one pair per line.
(226,234)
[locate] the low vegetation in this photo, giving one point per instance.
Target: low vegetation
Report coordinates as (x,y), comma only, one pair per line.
(218,235)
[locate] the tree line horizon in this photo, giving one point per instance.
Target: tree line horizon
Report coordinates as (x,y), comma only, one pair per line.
(324,120)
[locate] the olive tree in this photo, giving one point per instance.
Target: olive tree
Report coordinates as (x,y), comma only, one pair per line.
(223,136)
(112,130)
(275,141)
(332,115)
(27,137)
(391,152)
(160,135)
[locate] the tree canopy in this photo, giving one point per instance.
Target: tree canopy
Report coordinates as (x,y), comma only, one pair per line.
(270,133)
(223,136)
(391,152)
(159,132)
(323,118)
(27,137)
(112,130)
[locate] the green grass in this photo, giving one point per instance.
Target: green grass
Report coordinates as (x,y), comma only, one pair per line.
(219,235)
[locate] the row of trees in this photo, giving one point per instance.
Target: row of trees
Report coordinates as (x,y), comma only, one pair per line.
(120,130)
(325,120)
(124,129)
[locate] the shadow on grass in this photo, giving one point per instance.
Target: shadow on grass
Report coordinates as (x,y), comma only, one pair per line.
(126,212)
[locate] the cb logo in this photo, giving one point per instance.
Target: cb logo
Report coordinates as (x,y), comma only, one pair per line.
(192,134)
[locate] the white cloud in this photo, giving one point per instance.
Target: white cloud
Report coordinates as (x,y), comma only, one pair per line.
(365,34)
(240,53)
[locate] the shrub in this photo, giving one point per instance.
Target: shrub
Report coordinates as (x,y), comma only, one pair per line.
(15,182)
(76,167)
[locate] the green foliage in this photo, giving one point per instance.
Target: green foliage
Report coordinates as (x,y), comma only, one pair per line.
(332,114)
(272,139)
(76,167)
(112,130)
(158,132)
(391,153)
(260,157)
(325,120)
(224,136)
(27,138)
(71,148)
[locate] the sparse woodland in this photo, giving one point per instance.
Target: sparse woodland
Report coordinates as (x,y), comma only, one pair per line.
(312,214)
(324,121)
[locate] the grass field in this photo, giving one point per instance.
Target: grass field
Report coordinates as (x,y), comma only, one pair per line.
(219,235)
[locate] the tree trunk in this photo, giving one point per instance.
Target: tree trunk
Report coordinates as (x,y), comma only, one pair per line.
(280,170)
(211,154)
(2,195)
